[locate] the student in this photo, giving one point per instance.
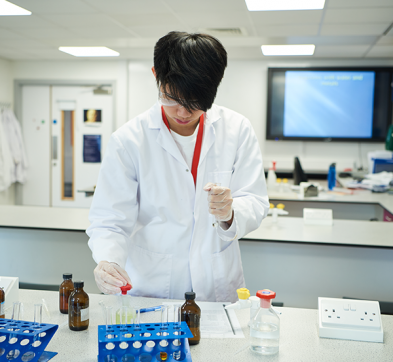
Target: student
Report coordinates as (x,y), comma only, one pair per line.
(151,216)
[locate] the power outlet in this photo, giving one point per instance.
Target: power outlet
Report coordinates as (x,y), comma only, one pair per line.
(358,320)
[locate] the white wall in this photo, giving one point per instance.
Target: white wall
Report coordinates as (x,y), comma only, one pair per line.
(244,89)
(80,70)
(6,95)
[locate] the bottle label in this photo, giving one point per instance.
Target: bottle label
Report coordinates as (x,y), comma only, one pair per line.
(2,308)
(84,314)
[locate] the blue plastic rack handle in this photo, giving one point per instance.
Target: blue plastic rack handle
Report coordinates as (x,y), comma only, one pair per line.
(25,341)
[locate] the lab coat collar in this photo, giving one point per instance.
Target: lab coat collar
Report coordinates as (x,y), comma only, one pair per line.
(167,142)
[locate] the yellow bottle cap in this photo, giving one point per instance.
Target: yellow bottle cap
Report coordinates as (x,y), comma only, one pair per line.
(278,180)
(271,206)
(280,206)
(285,180)
(243,293)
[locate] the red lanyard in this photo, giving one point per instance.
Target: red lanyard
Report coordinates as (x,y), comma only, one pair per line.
(198,144)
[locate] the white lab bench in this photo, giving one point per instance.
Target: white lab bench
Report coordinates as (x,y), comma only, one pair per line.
(351,258)
(299,339)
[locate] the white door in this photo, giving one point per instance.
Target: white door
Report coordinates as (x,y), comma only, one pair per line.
(82,123)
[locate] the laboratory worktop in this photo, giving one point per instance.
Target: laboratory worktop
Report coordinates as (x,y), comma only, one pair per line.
(299,339)
(342,232)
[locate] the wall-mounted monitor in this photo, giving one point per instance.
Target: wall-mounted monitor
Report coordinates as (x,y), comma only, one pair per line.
(329,104)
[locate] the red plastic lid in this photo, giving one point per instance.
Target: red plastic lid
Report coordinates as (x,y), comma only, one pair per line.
(125,289)
(266,294)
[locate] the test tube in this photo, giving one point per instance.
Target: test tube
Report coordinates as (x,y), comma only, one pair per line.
(164,317)
(123,317)
(37,315)
(137,323)
(15,311)
(109,318)
(177,315)
(177,324)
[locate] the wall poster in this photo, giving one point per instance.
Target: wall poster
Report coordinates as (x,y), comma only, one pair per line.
(92,148)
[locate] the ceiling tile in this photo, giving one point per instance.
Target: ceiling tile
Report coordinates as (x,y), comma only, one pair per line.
(52,6)
(365,15)
(46,33)
(353,29)
(226,19)
(206,6)
(286,17)
(22,43)
(156,32)
(31,21)
(129,6)
(8,34)
(385,40)
(358,3)
(381,51)
(79,20)
(145,19)
(340,51)
(287,30)
(104,31)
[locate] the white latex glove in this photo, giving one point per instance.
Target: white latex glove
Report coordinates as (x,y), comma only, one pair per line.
(110,277)
(220,201)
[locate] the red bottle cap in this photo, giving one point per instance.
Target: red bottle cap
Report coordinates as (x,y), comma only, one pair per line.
(125,288)
(266,294)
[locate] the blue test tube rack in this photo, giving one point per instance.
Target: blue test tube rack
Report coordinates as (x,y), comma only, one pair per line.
(120,343)
(25,341)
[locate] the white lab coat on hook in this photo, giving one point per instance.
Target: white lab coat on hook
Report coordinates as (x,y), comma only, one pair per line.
(149,217)
(6,161)
(13,134)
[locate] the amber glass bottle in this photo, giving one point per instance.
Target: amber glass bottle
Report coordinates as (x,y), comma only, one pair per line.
(191,314)
(64,292)
(2,303)
(78,308)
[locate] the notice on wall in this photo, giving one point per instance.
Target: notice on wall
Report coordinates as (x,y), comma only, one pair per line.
(92,117)
(92,148)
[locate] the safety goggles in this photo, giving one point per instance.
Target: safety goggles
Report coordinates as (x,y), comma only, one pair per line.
(167,102)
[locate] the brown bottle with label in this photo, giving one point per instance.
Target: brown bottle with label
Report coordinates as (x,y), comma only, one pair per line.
(78,308)
(191,314)
(64,292)
(2,303)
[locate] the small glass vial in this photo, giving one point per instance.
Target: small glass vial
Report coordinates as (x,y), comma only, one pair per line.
(191,314)
(265,327)
(64,292)
(2,303)
(78,308)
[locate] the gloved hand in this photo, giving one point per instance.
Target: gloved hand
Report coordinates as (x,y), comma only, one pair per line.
(220,201)
(110,277)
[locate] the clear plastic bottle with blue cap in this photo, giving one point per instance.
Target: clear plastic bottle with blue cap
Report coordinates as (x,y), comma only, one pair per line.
(265,327)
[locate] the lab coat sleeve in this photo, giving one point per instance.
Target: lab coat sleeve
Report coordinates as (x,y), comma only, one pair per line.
(114,209)
(248,187)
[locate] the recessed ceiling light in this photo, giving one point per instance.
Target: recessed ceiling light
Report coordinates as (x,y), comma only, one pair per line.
(301,49)
(89,51)
(271,5)
(7,8)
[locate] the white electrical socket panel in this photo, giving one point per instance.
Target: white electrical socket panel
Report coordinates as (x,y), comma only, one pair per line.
(358,320)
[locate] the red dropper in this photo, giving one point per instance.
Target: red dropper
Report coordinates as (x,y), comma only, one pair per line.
(125,288)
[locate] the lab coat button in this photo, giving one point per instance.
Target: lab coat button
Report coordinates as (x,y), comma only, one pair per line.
(187,170)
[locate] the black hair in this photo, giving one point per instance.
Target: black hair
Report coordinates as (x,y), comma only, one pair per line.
(189,68)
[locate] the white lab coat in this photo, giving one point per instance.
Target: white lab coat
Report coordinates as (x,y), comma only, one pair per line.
(148,216)
(13,134)
(6,162)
